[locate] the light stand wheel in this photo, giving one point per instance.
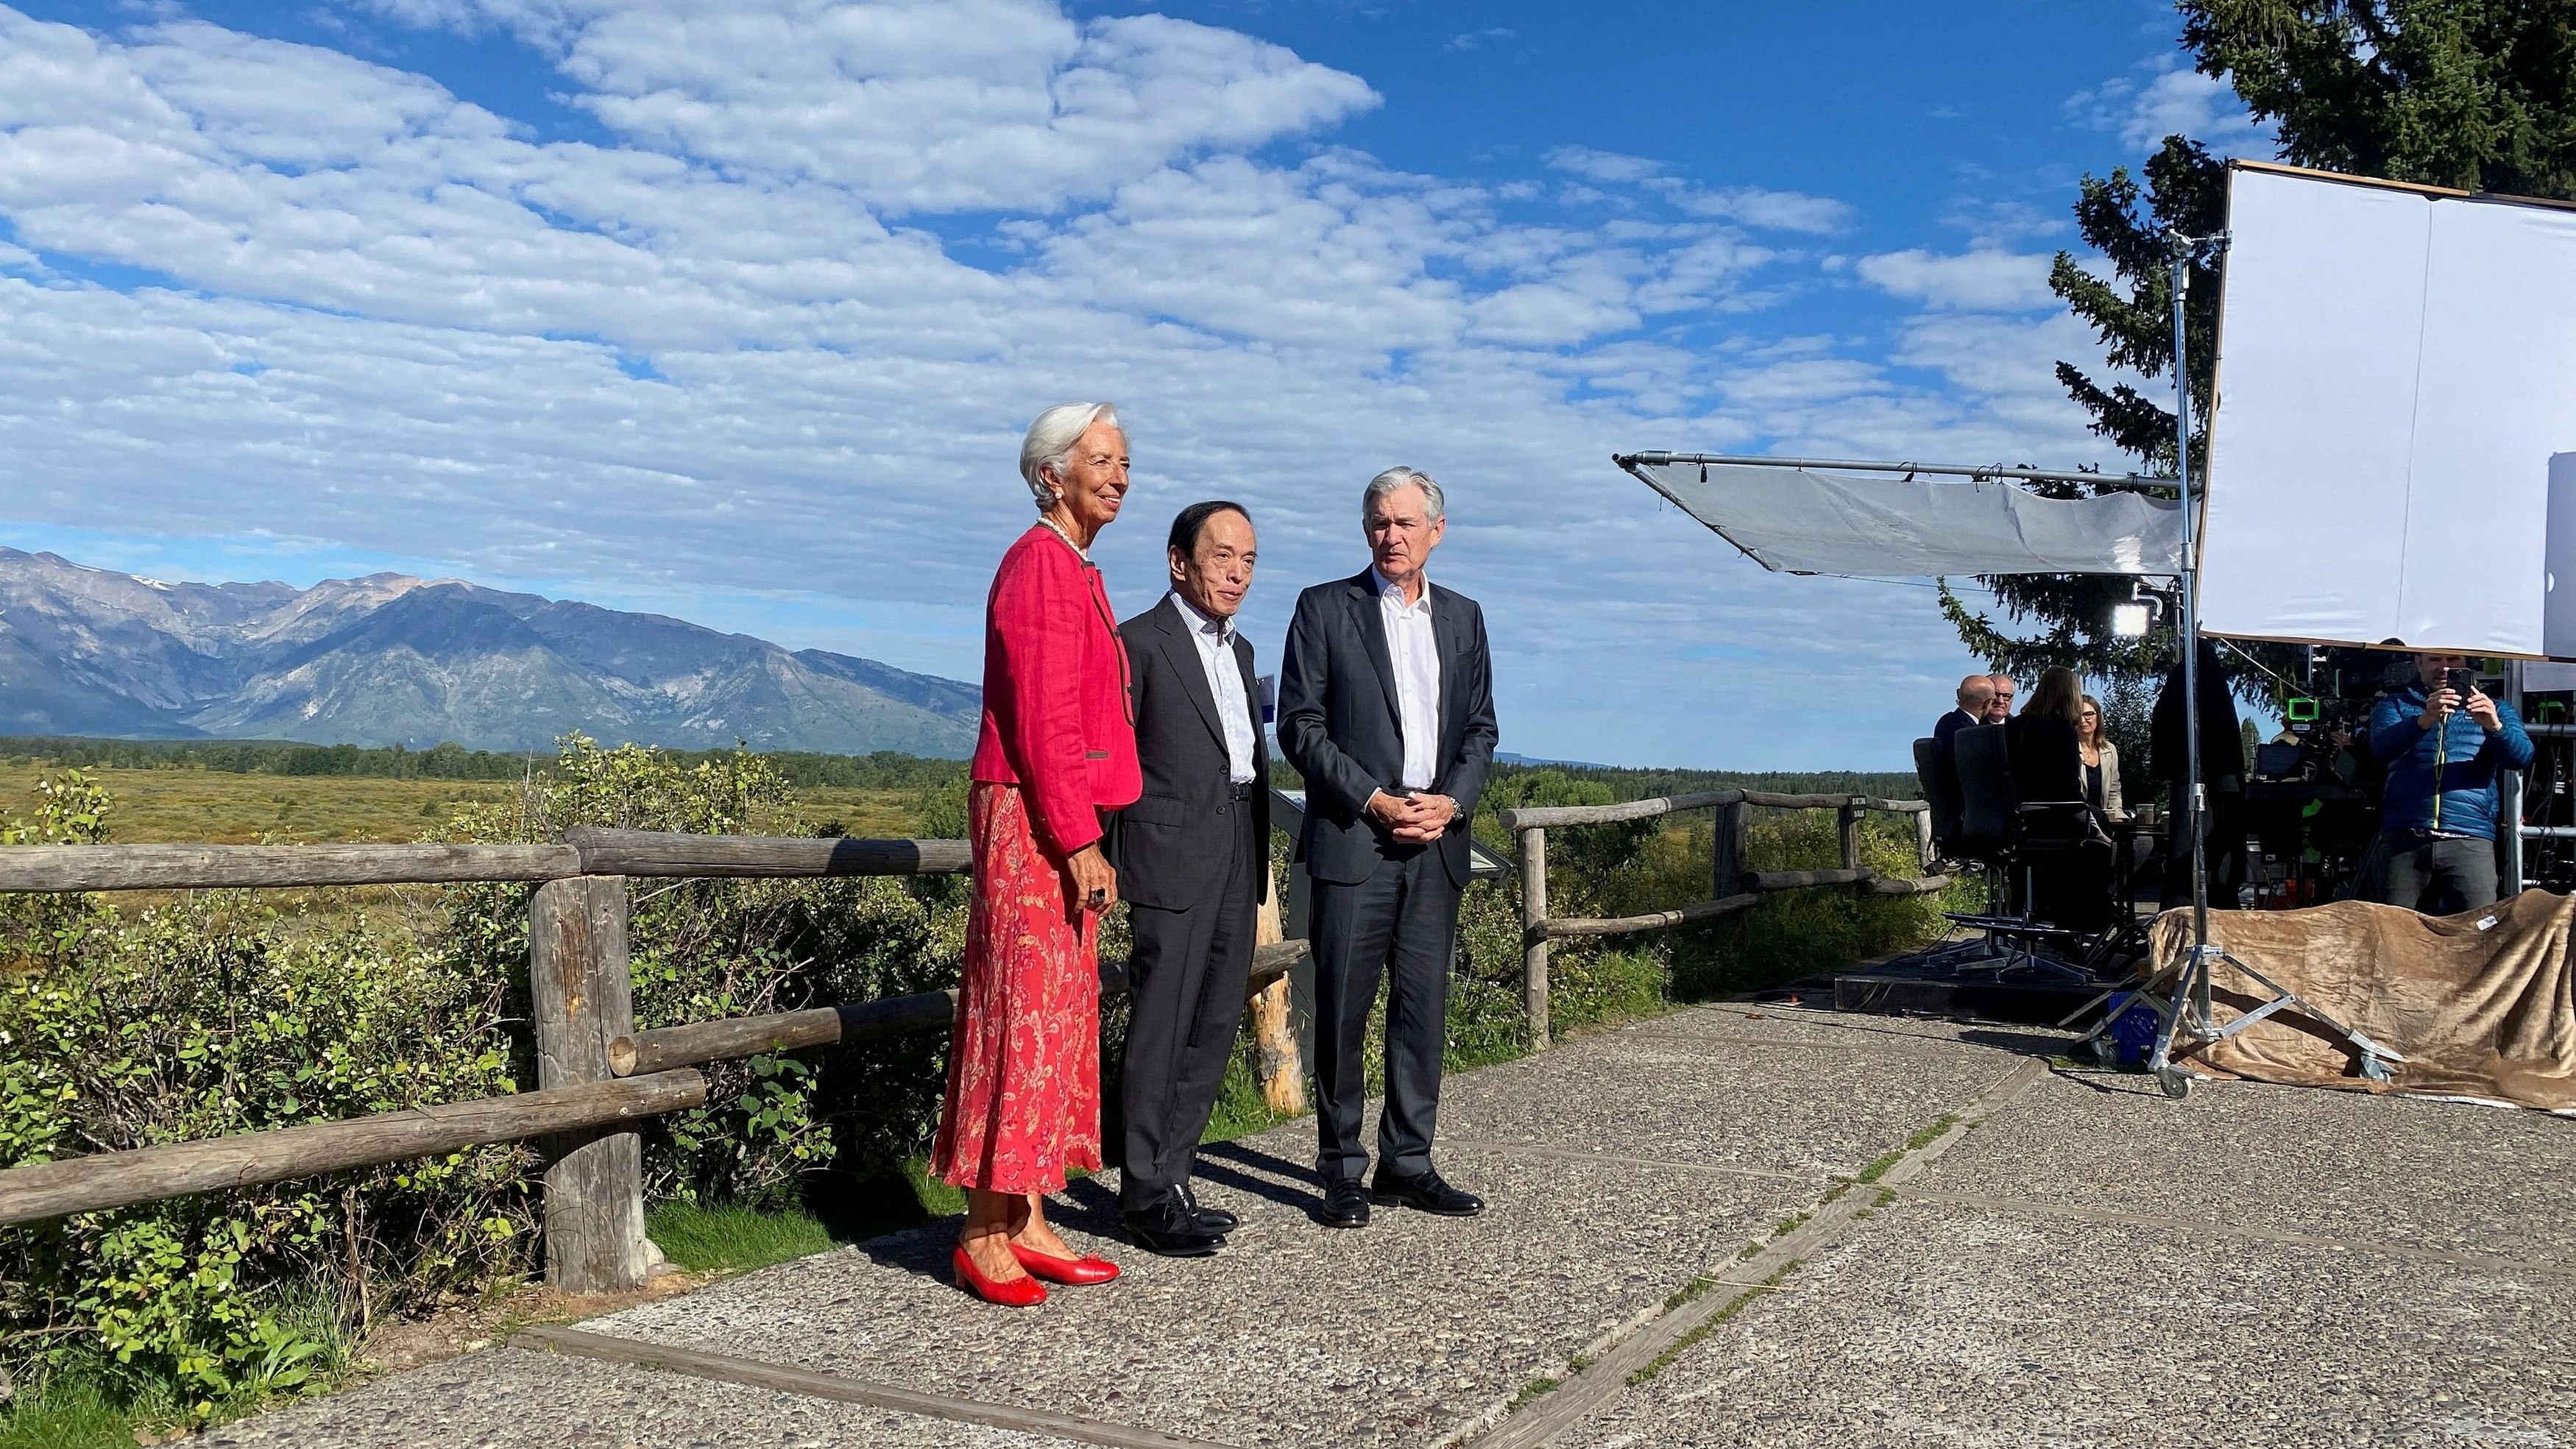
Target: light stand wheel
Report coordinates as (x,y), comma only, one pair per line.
(2175,1081)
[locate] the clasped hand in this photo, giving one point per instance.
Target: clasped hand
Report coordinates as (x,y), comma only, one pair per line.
(1416,819)
(2443,702)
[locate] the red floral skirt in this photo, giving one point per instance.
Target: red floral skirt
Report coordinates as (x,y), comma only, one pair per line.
(1023,1101)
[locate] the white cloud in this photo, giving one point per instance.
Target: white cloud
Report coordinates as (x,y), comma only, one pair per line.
(1751,205)
(714,357)
(926,105)
(2163,98)
(1979,280)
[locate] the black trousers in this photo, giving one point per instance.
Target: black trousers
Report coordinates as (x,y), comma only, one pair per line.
(1399,924)
(1187,977)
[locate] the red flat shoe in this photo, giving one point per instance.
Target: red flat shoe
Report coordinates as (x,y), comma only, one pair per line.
(1014,1293)
(1080,1272)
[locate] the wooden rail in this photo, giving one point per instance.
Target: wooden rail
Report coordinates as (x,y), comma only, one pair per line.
(1737,888)
(584,851)
(597,1075)
(666,1047)
(106,1180)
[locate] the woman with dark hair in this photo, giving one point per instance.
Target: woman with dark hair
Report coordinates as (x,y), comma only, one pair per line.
(2044,743)
(1057,747)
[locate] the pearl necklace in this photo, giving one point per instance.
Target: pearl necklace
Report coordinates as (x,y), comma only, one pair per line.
(1058,530)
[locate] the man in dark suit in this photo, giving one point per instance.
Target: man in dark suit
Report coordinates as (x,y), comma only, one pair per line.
(1976,696)
(1193,859)
(1386,706)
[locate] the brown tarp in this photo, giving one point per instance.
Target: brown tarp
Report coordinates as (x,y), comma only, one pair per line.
(2481,1004)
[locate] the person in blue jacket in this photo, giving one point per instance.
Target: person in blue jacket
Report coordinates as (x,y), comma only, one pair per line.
(2444,751)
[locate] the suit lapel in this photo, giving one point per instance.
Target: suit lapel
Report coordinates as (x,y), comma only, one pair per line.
(1449,645)
(1364,603)
(1182,652)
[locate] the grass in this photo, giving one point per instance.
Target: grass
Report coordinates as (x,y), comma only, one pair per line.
(1915,1143)
(1693,1289)
(73,1414)
(198,805)
(1531,1393)
(1696,1336)
(705,1239)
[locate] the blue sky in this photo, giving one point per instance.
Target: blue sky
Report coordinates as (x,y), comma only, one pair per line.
(734,311)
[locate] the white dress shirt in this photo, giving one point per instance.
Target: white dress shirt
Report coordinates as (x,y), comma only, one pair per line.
(1415,653)
(1215,638)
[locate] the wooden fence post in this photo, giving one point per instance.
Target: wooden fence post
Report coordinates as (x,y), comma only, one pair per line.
(1925,851)
(1274,1035)
(1533,934)
(584,999)
(1734,837)
(1847,828)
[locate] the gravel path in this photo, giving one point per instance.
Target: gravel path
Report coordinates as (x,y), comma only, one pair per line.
(2092,1265)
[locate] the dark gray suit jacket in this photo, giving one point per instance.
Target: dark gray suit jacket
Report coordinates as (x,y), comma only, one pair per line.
(1169,845)
(1338,723)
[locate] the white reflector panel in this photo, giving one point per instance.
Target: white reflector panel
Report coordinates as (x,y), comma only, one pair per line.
(1793,520)
(2397,372)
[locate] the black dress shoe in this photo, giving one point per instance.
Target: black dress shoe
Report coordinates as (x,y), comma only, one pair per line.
(1213,1219)
(1169,1229)
(1346,1204)
(1426,1192)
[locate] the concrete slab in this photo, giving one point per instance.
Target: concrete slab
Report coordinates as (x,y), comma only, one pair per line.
(1771,1021)
(506,1398)
(1953,1326)
(2450,1176)
(1296,1334)
(1807,1111)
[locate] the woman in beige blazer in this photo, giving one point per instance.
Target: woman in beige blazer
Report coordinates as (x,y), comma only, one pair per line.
(2101,763)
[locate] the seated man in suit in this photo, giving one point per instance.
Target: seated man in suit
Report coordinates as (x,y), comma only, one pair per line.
(1193,858)
(1386,706)
(1976,695)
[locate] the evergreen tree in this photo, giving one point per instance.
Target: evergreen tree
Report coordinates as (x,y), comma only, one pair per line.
(2474,94)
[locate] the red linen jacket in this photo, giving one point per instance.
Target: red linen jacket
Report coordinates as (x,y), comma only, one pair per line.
(1057,718)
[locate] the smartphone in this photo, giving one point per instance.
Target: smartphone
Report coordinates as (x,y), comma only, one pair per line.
(2460,682)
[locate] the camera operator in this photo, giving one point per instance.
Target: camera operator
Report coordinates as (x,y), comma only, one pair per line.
(2444,742)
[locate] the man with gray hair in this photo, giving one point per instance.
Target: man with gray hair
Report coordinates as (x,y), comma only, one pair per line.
(1386,706)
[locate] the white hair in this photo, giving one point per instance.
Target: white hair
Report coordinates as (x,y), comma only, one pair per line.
(1400,476)
(1050,442)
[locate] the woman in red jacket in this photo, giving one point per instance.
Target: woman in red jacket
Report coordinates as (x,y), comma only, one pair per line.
(1058,746)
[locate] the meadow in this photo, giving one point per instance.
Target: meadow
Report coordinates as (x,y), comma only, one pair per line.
(196,804)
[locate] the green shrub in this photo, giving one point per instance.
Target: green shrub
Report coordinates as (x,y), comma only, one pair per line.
(703,949)
(212,1016)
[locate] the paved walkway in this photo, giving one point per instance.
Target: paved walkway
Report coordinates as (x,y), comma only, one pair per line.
(1678,1254)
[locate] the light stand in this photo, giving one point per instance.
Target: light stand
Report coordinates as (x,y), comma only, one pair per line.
(2187,1012)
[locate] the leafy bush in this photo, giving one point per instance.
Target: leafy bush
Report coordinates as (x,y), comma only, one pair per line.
(217,1015)
(703,949)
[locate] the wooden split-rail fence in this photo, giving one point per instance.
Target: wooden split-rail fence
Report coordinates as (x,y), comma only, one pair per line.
(597,1077)
(1736,886)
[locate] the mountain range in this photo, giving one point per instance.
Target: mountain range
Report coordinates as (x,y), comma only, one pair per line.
(390,659)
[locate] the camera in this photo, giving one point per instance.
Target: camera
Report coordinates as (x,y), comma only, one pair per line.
(2460,682)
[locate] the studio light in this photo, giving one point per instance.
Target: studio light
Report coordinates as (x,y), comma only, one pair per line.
(2129,621)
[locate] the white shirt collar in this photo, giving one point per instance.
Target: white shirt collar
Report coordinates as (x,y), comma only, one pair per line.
(1386,588)
(1200,623)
